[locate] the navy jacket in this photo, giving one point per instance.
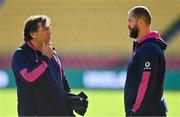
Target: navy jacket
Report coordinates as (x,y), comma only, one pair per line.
(145,78)
(41,84)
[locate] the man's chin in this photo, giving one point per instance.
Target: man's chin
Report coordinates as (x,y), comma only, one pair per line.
(134,36)
(48,42)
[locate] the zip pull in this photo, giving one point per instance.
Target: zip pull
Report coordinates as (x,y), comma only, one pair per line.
(59,64)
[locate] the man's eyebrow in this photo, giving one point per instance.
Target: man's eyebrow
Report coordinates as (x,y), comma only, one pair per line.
(129,19)
(46,26)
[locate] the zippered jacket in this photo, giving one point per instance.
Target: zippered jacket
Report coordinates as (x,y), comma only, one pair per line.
(145,78)
(41,83)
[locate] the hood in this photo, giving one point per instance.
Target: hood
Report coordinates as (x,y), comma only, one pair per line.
(155,38)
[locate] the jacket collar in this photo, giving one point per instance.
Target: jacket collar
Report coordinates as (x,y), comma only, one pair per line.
(153,34)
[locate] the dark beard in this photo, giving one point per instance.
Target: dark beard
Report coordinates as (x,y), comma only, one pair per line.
(134,32)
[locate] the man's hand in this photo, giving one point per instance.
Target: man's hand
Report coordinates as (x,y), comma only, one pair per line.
(47,50)
(78,103)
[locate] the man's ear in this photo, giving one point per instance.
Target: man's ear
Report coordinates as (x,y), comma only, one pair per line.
(33,34)
(141,22)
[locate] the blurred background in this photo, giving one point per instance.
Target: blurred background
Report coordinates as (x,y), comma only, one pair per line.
(92,39)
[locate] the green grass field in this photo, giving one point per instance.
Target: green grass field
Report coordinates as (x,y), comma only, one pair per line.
(101,102)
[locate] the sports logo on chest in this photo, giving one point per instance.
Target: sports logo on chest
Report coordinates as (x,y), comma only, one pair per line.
(147,65)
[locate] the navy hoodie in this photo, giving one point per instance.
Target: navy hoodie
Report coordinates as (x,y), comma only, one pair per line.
(41,83)
(143,94)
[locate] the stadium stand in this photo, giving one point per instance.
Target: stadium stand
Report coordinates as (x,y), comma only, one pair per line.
(88,33)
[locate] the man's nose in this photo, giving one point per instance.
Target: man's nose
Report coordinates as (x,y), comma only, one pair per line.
(49,32)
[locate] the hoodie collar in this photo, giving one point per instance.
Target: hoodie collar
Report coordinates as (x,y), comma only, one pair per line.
(151,37)
(153,34)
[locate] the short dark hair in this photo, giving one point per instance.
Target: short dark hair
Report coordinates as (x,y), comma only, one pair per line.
(142,12)
(31,25)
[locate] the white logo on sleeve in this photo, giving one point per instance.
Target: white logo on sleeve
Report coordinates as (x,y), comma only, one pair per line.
(147,65)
